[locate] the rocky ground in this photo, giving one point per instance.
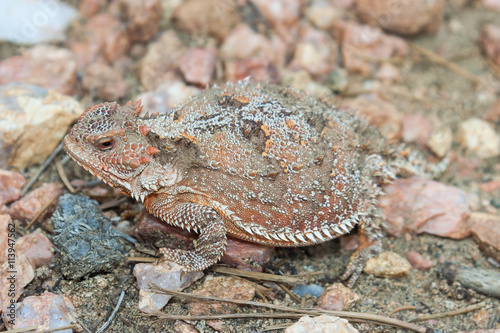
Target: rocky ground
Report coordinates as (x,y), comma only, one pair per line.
(425,73)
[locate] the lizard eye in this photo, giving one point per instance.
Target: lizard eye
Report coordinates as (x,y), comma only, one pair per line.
(105,144)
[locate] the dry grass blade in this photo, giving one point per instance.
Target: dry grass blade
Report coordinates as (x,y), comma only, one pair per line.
(257,275)
(444,62)
(64,178)
(112,316)
(40,212)
(42,169)
(289,292)
(141,259)
(24,329)
(353,316)
(450,313)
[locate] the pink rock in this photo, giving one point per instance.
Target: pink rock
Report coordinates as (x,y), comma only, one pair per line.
(486,233)
(162,58)
(245,255)
(102,36)
(418,261)
(14,276)
(7,231)
(198,66)
(493,113)
(360,41)
(207,17)
(183,327)
(152,229)
(490,42)
(47,312)
(36,247)
(406,18)
(142,18)
(322,14)
(337,297)
(315,52)
(388,74)
(282,15)
(422,205)
(222,287)
(244,43)
(165,274)
(492,4)
(416,128)
(490,186)
(256,69)
(168,95)
(11,183)
(89,8)
(104,81)
(378,113)
(321,324)
(29,205)
(46,66)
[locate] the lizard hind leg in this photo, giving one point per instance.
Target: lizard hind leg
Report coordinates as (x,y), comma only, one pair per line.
(369,247)
(211,242)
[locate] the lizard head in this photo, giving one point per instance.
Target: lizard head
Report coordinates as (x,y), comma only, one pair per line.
(108,142)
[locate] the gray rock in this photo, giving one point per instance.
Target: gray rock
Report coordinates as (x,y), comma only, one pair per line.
(84,237)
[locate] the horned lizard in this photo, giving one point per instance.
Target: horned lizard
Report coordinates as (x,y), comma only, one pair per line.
(258,162)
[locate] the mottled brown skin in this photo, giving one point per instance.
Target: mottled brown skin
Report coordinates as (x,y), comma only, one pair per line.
(258,162)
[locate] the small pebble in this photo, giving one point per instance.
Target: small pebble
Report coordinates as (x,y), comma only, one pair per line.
(321,324)
(337,297)
(388,265)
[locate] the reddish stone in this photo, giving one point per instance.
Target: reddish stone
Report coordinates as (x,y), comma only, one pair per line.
(161,59)
(378,113)
(142,17)
(406,18)
(25,272)
(337,297)
(222,287)
(490,42)
(89,8)
(493,113)
(282,15)
(198,66)
(49,311)
(486,233)
(245,255)
(315,52)
(104,81)
(244,43)
(152,229)
(418,261)
(11,183)
(103,35)
(416,128)
(36,247)
(422,205)
(46,66)
(490,186)
(29,205)
(168,95)
(360,41)
(256,69)
(5,224)
(207,17)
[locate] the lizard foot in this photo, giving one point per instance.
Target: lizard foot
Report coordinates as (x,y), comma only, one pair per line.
(366,250)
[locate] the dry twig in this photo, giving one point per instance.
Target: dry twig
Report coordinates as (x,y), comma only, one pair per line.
(40,212)
(401,308)
(449,313)
(64,178)
(112,316)
(353,316)
(256,275)
(42,169)
(444,62)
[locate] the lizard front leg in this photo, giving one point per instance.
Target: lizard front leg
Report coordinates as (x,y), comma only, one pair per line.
(211,241)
